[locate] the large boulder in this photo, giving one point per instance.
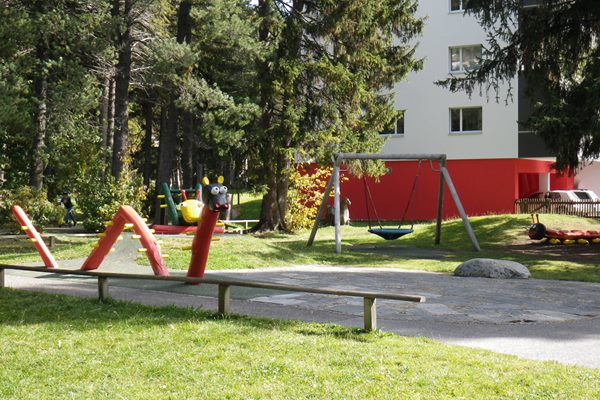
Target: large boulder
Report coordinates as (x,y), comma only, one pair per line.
(490,268)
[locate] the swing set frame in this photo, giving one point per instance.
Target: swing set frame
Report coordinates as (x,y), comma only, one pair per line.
(334,183)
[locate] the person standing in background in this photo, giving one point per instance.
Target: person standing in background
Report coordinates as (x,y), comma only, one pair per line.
(66,201)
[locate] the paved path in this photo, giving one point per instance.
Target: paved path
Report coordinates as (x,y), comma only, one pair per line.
(537,319)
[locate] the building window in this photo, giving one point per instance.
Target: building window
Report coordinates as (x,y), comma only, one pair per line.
(465,59)
(466,120)
(397,127)
(456,5)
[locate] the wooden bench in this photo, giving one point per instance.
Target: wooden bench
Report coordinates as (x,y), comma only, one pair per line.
(224,286)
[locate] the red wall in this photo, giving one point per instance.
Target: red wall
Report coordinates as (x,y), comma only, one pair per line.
(484,187)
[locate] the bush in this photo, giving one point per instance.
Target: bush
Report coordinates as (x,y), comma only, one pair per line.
(99,198)
(34,202)
(305,194)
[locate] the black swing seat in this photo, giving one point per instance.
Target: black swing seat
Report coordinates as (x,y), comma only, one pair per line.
(390,233)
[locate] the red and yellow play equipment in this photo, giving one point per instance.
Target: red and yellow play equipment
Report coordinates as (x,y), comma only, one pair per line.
(34,237)
(127,218)
(538,231)
(184,208)
(215,201)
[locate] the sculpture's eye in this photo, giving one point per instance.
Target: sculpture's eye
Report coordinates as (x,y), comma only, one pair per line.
(223,189)
(214,190)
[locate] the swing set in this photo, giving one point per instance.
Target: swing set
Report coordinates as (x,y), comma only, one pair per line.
(392,233)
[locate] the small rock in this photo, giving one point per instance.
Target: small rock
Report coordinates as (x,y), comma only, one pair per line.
(490,268)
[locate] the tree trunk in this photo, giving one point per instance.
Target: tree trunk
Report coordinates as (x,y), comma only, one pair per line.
(198,166)
(166,155)
(110,133)
(276,162)
(147,145)
(184,34)
(274,203)
(104,111)
(187,151)
(184,22)
(170,116)
(38,164)
(123,76)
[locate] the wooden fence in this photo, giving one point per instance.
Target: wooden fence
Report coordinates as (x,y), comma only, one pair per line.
(583,208)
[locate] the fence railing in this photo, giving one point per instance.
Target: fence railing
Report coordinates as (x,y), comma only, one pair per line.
(224,285)
(583,208)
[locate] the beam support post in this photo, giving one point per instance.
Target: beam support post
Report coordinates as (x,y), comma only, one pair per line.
(102,288)
(460,209)
(336,208)
(370,313)
(313,233)
(440,205)
(224,299)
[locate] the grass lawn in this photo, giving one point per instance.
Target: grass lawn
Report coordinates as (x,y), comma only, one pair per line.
(20,250)
(497,235)
(61,347)
(250,204)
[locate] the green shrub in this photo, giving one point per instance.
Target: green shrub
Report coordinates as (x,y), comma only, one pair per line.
(35,203)
(99,198)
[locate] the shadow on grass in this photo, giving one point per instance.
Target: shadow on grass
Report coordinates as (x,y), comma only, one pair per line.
(30,308)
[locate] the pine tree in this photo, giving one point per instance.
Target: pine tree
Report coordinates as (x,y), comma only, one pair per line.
(46,58)
(325,84)
(556,46)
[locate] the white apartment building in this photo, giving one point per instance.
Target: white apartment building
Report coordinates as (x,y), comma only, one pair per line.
(491,161)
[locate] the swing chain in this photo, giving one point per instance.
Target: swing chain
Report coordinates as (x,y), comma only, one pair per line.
(412,195)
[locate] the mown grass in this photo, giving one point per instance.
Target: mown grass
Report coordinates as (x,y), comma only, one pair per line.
(55,347)
(249,203)
(496,233)
(20,250)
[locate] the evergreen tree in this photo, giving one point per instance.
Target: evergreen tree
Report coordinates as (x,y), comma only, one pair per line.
(556,46)
(46,53)
(325,84)
(135,23)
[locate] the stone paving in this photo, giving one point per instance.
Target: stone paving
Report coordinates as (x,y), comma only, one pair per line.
(449,298)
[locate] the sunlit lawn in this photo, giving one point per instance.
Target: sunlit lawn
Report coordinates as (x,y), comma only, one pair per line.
(61,347)
(494,232)
(56,347)
(18,250)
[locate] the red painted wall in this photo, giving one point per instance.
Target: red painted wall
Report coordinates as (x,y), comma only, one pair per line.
(484,187)
(562,182)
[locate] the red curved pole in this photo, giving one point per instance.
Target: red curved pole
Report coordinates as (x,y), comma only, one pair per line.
(126,214)
(215,201)
(32,233)
(201,243)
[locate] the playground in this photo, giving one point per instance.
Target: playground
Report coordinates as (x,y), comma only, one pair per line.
(502,316)
(550,321)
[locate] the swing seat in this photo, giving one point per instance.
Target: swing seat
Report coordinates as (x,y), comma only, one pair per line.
(390,233)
